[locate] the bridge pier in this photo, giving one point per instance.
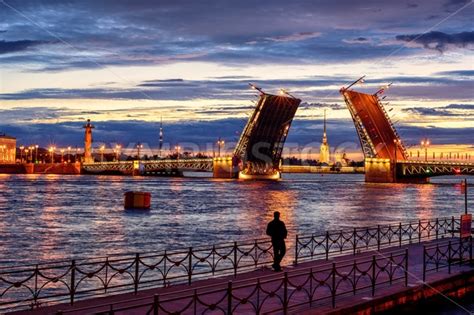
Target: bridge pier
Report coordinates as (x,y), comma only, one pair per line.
(385,171)
(379,171)
(225,167)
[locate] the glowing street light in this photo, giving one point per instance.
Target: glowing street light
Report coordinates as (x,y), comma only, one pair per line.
(102,148)
(62,155)
(36,153)
(177,148)
(425,143)
(51,151)
(220,143)
(21,153)
(26,154)
(139,146)
(69,154)
(117,151)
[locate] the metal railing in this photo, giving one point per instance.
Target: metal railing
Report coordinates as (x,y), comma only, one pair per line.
(68,281)
(446,255)
(275,293)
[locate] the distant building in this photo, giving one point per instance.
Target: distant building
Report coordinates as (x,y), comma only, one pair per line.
(7,149)
(324,149)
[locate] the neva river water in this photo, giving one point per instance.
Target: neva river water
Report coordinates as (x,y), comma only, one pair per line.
(50,217)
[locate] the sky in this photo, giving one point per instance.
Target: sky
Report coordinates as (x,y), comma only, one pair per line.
(128,64)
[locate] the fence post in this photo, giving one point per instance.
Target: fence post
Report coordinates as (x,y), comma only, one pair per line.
(419,231)
(327,245)
(452,226)
(73,280)
(156,301)
(354,240)
(437,228)
(424,263)
(137,260)
(470,249)
(374,264)
(333,289)
(406,267)
(190,264)
(378,237)
(400,234)
(285,293)
(296,250)
(35,297)
(449,257)
(235,259)
(229,297)
(256,253)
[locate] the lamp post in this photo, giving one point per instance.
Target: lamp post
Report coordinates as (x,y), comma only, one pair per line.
(26,155)
(31,148)
(117,152)
(220,143)
(425,143)
(102,148)
(76,156)
(36,153)
(51,150)
(21,153)
(69,154)
(62,155)
(139,146)
(177,148)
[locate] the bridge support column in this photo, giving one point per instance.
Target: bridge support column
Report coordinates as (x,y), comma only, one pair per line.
(379,171)
(224,168)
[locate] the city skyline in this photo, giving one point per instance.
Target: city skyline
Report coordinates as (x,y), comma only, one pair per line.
(126,65)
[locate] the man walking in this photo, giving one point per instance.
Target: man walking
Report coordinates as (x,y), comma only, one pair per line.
(276,229)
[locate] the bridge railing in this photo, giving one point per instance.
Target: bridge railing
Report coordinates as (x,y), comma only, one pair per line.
(69,281)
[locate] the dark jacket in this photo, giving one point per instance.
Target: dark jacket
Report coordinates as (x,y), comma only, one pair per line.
(276,229)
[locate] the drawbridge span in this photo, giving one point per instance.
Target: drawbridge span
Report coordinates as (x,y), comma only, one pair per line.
(386,158)
(256,156)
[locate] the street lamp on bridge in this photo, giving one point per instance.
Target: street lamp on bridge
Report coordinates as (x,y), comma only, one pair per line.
(21,153)
(220,143)
(102,148)
(69,154)
(51,151)
(177,148)
(139,146)
(425,143)
(62,155)
(117,151)
(36,153)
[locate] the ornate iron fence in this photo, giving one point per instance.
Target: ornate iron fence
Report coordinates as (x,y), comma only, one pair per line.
(359,239)
(446,254)
(67,281)
(275,293)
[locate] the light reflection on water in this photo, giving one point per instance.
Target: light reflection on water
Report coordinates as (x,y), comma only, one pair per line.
(48,217)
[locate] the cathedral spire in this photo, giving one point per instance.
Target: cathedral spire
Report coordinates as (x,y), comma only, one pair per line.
(325,138)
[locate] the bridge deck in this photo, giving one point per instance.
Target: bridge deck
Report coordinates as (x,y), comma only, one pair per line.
(266,289)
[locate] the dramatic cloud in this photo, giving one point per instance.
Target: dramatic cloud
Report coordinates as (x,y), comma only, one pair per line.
(294,37)
(18,45)
(439,41)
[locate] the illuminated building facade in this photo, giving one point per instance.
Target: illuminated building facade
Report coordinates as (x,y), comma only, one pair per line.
(7,149)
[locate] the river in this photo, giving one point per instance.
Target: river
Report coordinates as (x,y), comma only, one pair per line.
(50,217)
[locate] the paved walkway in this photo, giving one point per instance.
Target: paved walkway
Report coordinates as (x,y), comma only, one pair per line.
(266,290)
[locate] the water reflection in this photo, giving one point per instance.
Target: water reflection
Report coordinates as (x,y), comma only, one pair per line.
(46,217)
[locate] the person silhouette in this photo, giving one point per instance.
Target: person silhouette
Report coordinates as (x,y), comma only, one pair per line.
(276,229)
